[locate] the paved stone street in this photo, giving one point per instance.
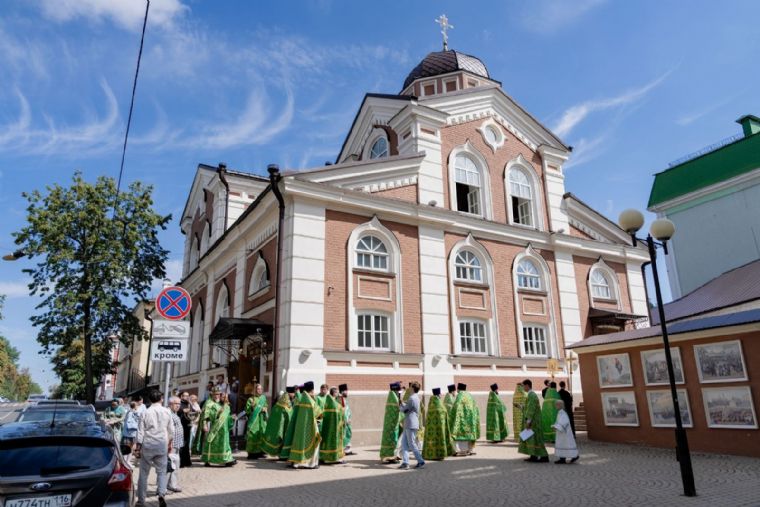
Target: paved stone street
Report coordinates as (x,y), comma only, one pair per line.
(607,475)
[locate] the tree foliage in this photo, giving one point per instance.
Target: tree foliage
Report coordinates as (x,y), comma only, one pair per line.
(93,257)
(15,383)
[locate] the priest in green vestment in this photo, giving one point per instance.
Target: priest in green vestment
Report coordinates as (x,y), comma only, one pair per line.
(496,424)
(331,448)
(343,390)
(391,426)
(464,422)
(304,449)
(290,429)
(257,412)
(450,398)
(438,443)
(277,424)
(518,403)
(549,412)
(216,442)
(533,446)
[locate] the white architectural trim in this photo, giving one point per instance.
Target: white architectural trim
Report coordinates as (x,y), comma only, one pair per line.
(537,203)
(490,122)
(388,185)
(492,324)
(375,134)
(205,237)
(376,228)
(637,290)
(552,343)
(485,184)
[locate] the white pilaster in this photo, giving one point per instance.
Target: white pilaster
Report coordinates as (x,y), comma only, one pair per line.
(241,286)
(553,159)
(430,181)
(301,330)
(569,307)
(435,308)
(636,290)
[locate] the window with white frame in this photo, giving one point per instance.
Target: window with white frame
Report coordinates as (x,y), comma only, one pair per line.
(373,331)
(600,285)
(371,253)
(259,277)
(379,148)
(534,341)
(521,195)
(528,275)
(468,266)
(472,337)
(468,185)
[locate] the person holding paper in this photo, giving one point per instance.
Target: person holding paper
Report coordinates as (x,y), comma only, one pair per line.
(532,437)
(565,447)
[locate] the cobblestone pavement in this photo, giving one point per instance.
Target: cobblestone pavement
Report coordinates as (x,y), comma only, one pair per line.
(606,475)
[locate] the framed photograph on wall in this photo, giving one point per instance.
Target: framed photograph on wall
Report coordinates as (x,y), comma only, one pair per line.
(614,370)
(620,409)
(720,362)
(656,368)
(729,407)
(661,411)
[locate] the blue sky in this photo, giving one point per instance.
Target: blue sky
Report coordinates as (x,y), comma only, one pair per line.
(631,85)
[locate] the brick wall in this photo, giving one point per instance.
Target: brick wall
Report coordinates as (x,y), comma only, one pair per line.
(407,193)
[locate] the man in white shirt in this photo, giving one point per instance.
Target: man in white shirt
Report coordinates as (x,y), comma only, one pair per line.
(153,445)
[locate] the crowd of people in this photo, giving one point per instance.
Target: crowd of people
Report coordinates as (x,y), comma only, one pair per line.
(306,429)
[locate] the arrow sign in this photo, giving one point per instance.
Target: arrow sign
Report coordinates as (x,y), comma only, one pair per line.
(173,303)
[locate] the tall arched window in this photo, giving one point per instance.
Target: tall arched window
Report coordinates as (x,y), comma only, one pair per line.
(468,267)
(528,275)
(205,238)
(259,277)
(371,253)
(521,197)
(600,285)
(222,304)
(379,148)
(467,176)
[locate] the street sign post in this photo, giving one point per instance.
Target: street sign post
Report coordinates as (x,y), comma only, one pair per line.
(173,303)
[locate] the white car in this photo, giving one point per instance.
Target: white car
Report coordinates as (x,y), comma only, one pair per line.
(34,398)
(4,400)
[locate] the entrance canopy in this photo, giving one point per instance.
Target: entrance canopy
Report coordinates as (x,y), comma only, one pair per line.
(230,335)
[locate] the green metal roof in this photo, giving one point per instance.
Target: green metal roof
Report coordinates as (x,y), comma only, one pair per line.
(726,162)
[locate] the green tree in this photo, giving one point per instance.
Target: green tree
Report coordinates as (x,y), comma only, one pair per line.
(95,253)
(14,383)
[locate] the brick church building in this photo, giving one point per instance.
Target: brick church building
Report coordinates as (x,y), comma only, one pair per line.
(441,246)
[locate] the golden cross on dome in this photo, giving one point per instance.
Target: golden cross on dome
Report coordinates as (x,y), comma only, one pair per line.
(445,26)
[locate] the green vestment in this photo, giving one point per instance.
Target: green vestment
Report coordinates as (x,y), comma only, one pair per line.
(448,402)
(496,425)
(346,424)
(534,446)
(331,450)
(518,403)
(391,427)
(549,414)
(216,447)
(277,426)
(437,443)
(290,429)
(256,409)
(306,433)
(464,419)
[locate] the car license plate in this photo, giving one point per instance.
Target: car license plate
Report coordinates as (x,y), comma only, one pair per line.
(40,501)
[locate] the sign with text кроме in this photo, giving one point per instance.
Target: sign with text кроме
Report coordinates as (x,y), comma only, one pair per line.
(168,349)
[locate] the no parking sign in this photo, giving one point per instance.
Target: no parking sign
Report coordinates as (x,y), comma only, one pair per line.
(173,303)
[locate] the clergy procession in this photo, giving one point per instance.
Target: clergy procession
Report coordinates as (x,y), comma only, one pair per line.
(306,430)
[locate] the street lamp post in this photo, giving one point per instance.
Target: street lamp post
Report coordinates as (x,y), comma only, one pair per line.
(660,232)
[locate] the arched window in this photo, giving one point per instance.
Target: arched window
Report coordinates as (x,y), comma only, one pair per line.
(528,276)
(600,285)
(379,148)
(259,277)
(205,238)
(521,195)
(371,253)
(468,267)
(468,185)
(222,304)
(194,254)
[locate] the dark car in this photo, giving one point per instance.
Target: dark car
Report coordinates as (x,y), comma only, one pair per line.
(58,413)
(57,402)
(69,464)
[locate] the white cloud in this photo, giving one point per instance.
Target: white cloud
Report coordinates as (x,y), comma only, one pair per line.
(577,113)
(14,289)
(548,16)
(688,119)
(128,14)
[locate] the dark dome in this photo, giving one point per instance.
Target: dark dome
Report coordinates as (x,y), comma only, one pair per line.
(443,62)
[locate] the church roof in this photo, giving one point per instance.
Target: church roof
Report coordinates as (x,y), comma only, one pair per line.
(443,62)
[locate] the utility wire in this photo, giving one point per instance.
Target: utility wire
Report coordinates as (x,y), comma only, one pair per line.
(131,104)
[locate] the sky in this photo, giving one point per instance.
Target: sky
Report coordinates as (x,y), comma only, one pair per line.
(631,86)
